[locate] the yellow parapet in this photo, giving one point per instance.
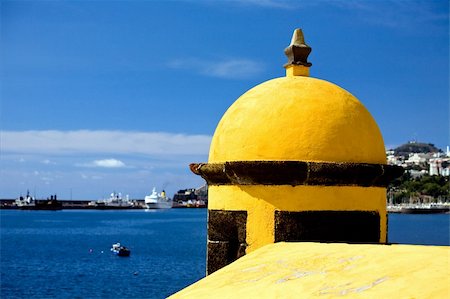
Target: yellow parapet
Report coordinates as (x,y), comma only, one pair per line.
(310,270)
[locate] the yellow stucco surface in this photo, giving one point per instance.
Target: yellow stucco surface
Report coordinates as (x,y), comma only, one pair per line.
(260,202)
(297,118)
(297,70)
(310,270)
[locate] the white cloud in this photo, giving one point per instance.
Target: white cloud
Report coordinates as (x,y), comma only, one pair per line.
(90,177)
(163,156)
(236,68)
(106,142)
(108,163)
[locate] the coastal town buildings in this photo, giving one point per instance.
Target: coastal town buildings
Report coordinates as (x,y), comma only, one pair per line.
(421,163)
(426,177)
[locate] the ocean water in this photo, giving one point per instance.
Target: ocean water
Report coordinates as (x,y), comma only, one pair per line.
(423,229)
(65,254)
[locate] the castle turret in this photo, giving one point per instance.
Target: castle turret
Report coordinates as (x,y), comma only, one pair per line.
(294,159)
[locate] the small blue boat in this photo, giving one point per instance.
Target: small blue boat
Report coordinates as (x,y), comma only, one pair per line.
(120,250)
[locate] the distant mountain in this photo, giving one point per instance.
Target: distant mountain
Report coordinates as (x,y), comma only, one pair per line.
(415,147)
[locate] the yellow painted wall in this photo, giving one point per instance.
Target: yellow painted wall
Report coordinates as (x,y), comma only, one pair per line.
(310,270)
(261,202)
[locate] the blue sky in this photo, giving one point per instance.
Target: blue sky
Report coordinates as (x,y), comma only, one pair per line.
(102,96)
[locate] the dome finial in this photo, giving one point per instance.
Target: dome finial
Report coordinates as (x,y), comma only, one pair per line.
(298,51)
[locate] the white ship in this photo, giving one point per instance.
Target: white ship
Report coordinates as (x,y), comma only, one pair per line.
(157,201)
(27,201)
(115,201)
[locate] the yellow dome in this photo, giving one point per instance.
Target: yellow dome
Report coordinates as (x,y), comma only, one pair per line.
(297,118)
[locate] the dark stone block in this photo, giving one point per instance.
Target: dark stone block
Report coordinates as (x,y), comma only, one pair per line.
(267,172)
(390,172)
(226,237)
(227,225)
(327,226)
(217,256)
(334,174)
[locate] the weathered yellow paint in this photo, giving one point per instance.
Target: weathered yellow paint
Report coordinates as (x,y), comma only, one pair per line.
(262,201)
(297,118)
(297,70)
(310,270)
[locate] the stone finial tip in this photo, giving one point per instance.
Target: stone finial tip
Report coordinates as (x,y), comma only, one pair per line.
(298,51)
(297,38)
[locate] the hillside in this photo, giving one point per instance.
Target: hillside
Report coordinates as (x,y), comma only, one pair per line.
(415,147)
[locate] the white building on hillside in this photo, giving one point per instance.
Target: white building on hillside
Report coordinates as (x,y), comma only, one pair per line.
(418,159)
(439,166)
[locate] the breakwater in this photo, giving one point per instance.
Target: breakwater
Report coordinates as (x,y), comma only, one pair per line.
(136,204)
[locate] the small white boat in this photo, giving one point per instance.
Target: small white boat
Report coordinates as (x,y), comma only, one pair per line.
(157,200)
(120,250)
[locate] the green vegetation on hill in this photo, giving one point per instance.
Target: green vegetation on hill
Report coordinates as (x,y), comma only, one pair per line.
(405,187)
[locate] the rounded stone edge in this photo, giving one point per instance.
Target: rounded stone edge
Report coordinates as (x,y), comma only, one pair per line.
(296,173)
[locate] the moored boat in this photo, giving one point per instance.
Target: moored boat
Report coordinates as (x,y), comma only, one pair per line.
(420,208)
(426,209)
(49,204)
(27,201)
(30,203)
(115,201)
(157,200)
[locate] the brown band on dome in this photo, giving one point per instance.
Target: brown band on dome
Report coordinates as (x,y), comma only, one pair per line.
(297,173)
